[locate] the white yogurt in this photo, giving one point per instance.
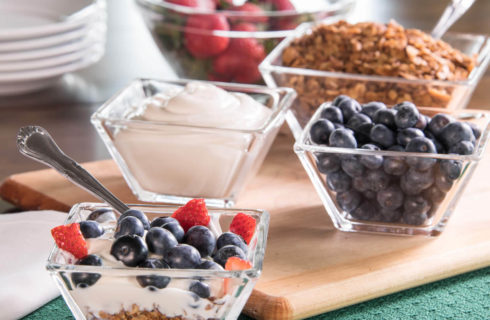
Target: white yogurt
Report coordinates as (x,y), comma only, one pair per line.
(191,162)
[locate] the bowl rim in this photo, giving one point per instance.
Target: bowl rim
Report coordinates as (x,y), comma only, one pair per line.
(283,97)
(163,4)
(303,143)
(268,66)
(261,232)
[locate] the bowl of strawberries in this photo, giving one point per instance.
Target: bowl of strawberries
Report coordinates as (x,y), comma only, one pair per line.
(225,40)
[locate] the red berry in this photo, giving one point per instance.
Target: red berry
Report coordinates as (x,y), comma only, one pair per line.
(201,4)
(198,38)
(282,5)
(70,238)
(244,226)
(244,26)
(235,263)
(193,213)
(254,14)
(248,72)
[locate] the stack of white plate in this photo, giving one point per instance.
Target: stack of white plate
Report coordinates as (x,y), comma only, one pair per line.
(40,41)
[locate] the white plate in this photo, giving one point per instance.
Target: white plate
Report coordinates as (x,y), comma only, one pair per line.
(53,40)
(47,62)
(56,50)
(16,88)
(27,18)
(9,78)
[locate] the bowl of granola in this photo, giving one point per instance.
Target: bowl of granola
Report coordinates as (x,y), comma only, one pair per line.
(375,62)
(223,40)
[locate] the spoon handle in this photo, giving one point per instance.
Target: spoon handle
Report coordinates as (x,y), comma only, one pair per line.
(450,15)
(36,143)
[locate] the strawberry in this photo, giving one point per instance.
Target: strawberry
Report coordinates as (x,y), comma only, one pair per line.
(244,226)
(198,38)
(201,4)
(248,72)
(253,12)
(282,5)
(193,213)
(70,238)
(235,263)
(244,26)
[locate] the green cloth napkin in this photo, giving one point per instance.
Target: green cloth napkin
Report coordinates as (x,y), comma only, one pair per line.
(466,296)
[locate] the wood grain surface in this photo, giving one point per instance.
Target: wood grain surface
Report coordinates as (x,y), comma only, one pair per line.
(309,268)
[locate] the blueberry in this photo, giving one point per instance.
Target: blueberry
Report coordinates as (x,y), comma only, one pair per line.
(382,135)
(160,221)
(200,288)
(419,179)
(397,148)
(230,238)
(352,166)
(421,145)
(462,147)
(129,225)
(371,108)
(391,198)
(365,211)
(349,200)
(333,114)
(226,252)
(82,279)
(369,194)
(349,107)
(339,181)
(407,115)
(130,250)
(416,205)
(415,219)
(357,120)
(327,162)
(442,181)
(451,168)
(410,188)
(395,165)
(404,136)
(371,162)
(320,131)
(360,184)
(91,229)
(438,122)
(183,256)
(363,132)
(377,180)
(202,239)
(175,229)
(455,132)
(342,138)
(137,214)
(102,215)
(340,98)
(422,122)
(210,265)
(153,281)
(338,125)
(389,215)
(475,129)
(160,240)
(385,117)
(437,144)
(434,194)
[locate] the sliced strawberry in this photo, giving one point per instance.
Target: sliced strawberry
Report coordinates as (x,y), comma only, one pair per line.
(244,226)
(193,213)
(70,238)
(198,38)
(235,263)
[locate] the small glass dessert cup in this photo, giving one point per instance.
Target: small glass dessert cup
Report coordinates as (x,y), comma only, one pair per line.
(428,187)
(174,161)
(316,86)
(117,295)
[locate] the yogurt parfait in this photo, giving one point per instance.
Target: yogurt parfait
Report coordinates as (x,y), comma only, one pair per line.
(158,262)
(175,141)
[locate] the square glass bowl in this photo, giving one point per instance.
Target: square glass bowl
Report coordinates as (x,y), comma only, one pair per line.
(118,293)
(355,207)
(314,87)
(173,163)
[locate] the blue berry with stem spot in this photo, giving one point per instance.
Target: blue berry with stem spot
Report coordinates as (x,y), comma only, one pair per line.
(327,162)
(339,181)
(349,200)
(320,131)
(455,132)
(153,281)
(371,162)
(352,166)
(462,148)
(395,166)
(416,205)
(385,117)
(421,145)
(377,180)
(434,194)
(438,122)
(382,135)
(202,239)
(91,229)
(451,168)
(391,198)
(407,115)
(130,250)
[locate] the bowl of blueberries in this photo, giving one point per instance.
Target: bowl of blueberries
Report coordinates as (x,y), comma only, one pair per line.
(397,170)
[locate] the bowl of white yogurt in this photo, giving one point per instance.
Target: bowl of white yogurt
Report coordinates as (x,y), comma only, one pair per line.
(178,140)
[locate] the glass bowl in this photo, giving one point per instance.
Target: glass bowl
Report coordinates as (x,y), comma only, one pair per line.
(173,163)
(357,209)
(230,54)
(117,292)
(314,86)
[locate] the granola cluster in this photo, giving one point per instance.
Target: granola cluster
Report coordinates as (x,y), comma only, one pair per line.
(374,49)
(136,314)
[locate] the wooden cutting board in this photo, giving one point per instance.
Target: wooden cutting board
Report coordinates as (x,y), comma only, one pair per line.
(310,268)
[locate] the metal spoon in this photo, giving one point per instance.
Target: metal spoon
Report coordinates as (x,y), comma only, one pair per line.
(451,14)
(36,143)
